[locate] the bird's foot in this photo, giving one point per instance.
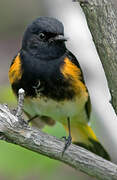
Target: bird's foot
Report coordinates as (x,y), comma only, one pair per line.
(68,141)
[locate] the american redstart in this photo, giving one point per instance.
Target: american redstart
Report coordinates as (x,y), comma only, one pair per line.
(53,82)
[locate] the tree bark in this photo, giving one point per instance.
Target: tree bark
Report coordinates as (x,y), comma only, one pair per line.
(18,132)
(101,18)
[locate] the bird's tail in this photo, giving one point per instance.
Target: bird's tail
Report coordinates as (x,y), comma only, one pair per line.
(83,135)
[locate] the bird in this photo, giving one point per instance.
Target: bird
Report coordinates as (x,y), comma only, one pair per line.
(55,90)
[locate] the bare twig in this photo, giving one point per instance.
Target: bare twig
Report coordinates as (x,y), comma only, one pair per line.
(20,103)
(17,132)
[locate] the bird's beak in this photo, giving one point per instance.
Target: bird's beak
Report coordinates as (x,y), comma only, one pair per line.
(60,38)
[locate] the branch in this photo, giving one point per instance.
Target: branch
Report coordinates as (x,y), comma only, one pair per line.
(102,21)
(16,130)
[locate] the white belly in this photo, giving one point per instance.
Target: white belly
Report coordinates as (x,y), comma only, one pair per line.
(59,111)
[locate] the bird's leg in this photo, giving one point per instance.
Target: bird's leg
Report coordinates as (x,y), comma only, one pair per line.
(31,119)
(68,140)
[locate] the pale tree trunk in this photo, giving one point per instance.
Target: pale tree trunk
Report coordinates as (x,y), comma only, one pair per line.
(102,21)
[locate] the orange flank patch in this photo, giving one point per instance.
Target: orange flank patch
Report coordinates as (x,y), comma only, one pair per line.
(15,72)
(73,74)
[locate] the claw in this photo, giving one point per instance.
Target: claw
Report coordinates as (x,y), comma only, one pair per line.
(64,137)
(67,140)
(67,143)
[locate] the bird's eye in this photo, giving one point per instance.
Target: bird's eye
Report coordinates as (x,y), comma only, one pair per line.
(42,36)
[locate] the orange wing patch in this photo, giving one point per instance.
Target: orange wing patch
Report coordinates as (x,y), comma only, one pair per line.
(73,74)
(15,72)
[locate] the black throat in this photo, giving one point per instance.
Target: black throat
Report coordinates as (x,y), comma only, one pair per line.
(44,51)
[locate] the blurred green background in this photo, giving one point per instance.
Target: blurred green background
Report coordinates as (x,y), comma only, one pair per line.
(17,163)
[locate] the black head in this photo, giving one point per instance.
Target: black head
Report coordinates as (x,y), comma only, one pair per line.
(45,38)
